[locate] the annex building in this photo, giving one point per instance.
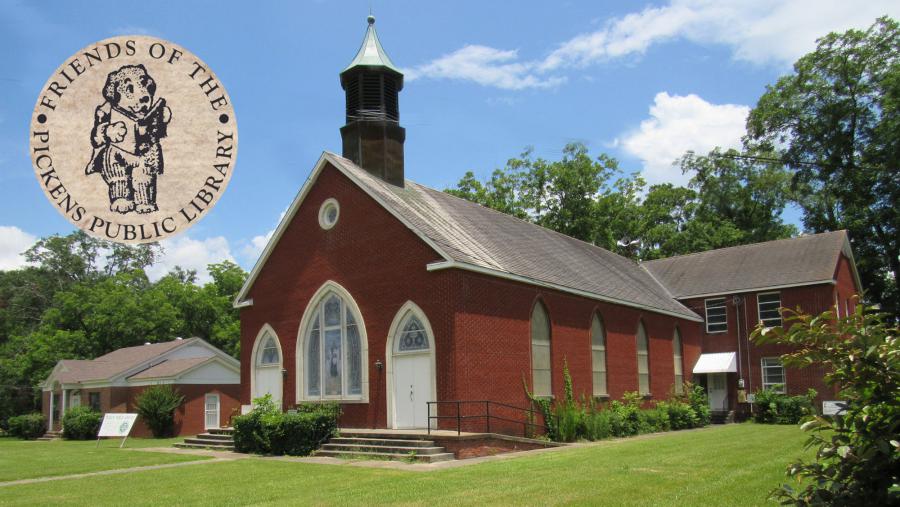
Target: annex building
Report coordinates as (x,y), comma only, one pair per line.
(383,295)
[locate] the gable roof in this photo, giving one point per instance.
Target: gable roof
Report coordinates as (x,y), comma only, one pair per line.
(475,238)
(109,366)
(804,260)
(172,367)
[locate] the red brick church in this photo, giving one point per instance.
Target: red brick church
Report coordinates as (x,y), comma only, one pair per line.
(382,294)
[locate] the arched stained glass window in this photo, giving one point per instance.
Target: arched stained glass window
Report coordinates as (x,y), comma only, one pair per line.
(598,355)
(540,351)
(333,361)
(679,363)
(643,360)
(268,354)
(413,336)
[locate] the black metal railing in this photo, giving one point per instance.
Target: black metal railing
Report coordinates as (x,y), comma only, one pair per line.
(528,424)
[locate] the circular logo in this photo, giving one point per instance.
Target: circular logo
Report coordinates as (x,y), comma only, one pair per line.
(133,139)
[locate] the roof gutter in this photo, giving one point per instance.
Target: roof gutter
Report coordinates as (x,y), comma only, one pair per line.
(756,289)
(441,265)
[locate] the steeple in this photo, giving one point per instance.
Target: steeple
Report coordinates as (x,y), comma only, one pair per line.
(372,136)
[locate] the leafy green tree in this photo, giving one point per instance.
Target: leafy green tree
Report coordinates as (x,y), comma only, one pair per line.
(835,119)
(857,452)
(156,405)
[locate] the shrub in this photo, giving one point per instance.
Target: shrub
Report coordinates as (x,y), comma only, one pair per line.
(156,405)
(857,460)
(681,415)
(653,420)
(771,407)
(699,403)
(598,423)
(28,426)
(81,423)
(265,430)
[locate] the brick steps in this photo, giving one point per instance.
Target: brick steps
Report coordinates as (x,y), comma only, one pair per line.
(384,446)
(214,440)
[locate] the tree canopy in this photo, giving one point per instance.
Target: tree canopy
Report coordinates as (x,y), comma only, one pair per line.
(83,297)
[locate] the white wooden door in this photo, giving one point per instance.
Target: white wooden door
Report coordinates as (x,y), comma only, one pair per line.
(718,391)
(212,412)
(268,381)
(412,389)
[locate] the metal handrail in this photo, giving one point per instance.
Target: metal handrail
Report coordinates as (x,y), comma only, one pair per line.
(486,415)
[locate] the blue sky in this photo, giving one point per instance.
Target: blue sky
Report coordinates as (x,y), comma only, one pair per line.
(641,81)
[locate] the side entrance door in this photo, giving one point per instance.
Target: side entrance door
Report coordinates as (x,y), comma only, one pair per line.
(718,391)
(212,412)
(412,389)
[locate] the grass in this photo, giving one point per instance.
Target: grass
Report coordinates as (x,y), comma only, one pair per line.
(725,465)
(21,459)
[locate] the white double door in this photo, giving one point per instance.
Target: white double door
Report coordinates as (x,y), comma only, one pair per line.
(413,387)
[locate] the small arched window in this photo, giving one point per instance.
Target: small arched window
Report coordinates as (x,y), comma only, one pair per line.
(413,336)
(540,351)
(643,360)
(268,354)
(333,362)
(679,362)
(598,355)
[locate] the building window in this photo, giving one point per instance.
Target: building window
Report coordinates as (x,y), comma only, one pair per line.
(94,401)
(773,374)
(413,337)
(716,316)
(846,308)
(643,360)
(333,359)
(540,351)
(598,355)
(269,355)
(329,213)
(679,363)
(769,306)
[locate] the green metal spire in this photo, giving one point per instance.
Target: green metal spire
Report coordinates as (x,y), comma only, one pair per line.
(371,54)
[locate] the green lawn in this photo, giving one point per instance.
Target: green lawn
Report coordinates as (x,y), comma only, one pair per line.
(29,459)
(726,465)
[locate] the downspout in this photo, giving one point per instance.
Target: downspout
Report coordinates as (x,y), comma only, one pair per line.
(747,327)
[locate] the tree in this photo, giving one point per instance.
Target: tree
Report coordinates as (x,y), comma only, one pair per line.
(835,121)
(858,452)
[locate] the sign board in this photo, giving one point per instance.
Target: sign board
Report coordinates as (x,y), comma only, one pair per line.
(116,425)
(751,398)
(833,407)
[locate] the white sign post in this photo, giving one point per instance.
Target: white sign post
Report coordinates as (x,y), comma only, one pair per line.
(116,425)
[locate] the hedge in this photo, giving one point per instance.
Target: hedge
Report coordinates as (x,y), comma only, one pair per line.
(770,407)
(81,423)
(28,426)
(266,430)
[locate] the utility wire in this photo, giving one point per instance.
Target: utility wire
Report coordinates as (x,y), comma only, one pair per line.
(783,161)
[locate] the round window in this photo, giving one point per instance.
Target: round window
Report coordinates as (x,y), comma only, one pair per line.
(329,213)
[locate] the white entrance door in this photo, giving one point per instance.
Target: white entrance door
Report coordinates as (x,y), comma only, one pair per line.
(718,391)
(212,412)
(412,389)
(268,381)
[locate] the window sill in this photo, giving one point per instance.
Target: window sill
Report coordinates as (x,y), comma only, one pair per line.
(601,397)
(349,401)
(647,396)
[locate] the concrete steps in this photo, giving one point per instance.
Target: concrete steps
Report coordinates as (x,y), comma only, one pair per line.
(721,416)
(384,447)
(214,440)
(51,435)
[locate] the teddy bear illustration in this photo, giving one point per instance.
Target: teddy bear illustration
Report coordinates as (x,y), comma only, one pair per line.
(127,130)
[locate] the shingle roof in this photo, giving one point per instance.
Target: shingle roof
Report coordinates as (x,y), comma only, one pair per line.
(73,371)
(478,236)
(170,368)
(803,260)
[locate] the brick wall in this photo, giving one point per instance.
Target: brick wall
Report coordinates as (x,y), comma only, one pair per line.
(481,324)
(190,417)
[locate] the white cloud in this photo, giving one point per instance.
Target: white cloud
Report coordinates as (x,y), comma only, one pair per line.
(13,241)
(678,124)
(190,253)
(762,32)
(253,248)
(486,66)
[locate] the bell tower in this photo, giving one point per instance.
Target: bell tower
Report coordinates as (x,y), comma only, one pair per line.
(372,136)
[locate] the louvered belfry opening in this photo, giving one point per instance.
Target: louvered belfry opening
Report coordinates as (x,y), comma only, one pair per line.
(372,137)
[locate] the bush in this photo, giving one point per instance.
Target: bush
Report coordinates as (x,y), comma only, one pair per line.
(265,430)
(81,423)
(157,405)
(681,415)
(653,420)
(28,426)
(771,407)
(857,460)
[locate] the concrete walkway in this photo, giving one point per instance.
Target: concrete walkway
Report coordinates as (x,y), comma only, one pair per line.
(113,472)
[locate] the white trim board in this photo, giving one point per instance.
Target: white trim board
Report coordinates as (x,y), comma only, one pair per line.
(767,288)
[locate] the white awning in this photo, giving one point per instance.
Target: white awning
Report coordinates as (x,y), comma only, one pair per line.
(723,362)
